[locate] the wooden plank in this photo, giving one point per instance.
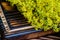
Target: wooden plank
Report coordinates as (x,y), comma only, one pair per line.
(34,35)
(38,34)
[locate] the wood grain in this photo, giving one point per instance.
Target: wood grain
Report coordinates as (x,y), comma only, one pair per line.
(33,35)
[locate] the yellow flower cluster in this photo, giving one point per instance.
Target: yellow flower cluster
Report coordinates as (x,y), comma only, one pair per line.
(43,14)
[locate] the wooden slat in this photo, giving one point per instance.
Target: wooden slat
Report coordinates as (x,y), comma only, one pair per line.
(34,35)
(38,34)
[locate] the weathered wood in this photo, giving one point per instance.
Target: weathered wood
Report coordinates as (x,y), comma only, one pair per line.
(37,34)
(33,35)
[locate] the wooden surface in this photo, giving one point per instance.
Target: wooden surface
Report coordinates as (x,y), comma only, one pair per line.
(28,36)
(33,35)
